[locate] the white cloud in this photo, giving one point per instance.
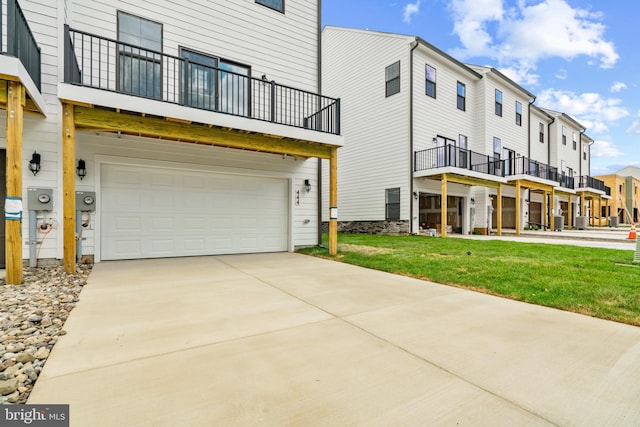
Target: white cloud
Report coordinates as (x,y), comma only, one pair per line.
(411,9)
(518,37)
(618,86)
(590,109)
(562,74)
(602,149)
(634,129)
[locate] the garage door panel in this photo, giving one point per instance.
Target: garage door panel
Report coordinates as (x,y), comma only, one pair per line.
(154,212)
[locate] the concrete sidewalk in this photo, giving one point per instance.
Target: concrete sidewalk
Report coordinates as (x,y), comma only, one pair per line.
(287,339)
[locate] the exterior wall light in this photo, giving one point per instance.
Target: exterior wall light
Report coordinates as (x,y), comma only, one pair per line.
(34,163)
(307,185)
(81,170)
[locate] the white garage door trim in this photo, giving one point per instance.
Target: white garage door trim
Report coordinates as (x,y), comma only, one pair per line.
(178,166)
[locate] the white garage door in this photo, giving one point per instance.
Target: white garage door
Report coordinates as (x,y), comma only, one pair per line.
(154,212)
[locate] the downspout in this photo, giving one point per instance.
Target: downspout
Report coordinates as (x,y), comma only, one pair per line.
(580,151)
(411,135)
(553,119)
(319,77)
(531,101)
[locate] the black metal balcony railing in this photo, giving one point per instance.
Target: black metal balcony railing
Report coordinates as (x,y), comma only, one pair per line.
(20,41)
(587,181)
(107,64)
(451,156)
(527,166)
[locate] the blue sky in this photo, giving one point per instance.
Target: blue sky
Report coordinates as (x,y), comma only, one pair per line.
(580,57)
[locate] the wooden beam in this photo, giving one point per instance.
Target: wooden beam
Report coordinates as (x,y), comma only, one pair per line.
(469,180)
(28,105)
(13,227)
(545,210)
(93,118)
(499,214)
(333,202)
(69,188)
(443,206)
(518,208)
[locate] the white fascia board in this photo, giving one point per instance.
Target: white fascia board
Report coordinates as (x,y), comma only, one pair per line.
(85,95)
(457,171)
(12,66)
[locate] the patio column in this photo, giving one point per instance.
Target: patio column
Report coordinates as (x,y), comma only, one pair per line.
(443,207)
(518,208)
(333,202)
(600,211)
(69,188)
(582,205)
(569,221)
(499,208)
(13,203)
(545,210)
(552,221)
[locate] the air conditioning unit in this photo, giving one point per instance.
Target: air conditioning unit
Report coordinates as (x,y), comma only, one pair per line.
(582,222)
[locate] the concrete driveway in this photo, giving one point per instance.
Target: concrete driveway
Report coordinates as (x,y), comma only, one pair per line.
(287,339)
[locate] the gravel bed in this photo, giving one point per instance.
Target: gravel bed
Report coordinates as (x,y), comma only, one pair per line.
(32,317)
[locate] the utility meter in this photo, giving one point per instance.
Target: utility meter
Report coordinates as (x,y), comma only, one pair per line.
(40,199)
(85,201)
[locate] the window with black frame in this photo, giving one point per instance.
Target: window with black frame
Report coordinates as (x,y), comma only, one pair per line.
(273,4)
(392,204)
(139,56)
(210,83)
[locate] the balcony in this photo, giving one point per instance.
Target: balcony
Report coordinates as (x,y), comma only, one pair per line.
(19,41)
(109,65)
(587,181)
(527,166)
(451,156)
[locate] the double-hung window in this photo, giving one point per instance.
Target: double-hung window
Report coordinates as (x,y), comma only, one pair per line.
(541,132)
(498,103)
(273,4)
(392,79)
(564,135)
(430,81)
(139,56)
(462,96)
(575,141)
(392,204)
(518,113)
(214,84)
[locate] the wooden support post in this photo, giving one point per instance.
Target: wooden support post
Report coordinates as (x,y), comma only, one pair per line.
(333,202)
(552,220)
(443,206)
(545,210)
(13,227)
(518,208)
(582,205)
(499,208)
(69,188)
(600,212)
(570,216)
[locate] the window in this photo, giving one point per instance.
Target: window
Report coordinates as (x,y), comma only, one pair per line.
(392,204)
(462,142)
(139,58)
(541,132)
(620,188)
(564,135)
(392,79)
(210,79)
(584,153)
(518,113)
(497,145)
(462,96)
(498,103)
(575,141)
(273,4)
(431,81)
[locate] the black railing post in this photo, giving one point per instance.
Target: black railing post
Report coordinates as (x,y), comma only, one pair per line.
(12,42)
(185,83)
(337,129)
(273,101)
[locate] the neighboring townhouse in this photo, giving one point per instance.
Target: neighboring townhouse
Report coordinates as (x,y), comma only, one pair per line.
(625,195)
(438,146)
(165,129)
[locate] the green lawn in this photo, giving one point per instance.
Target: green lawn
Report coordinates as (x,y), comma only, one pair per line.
(603,283)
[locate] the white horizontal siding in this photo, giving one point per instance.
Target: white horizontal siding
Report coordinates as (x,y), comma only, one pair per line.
(375,128)
(539,150)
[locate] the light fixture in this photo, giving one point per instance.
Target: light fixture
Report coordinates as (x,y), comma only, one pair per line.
(34,163)
(415,195)
(307,185)
(81,170)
